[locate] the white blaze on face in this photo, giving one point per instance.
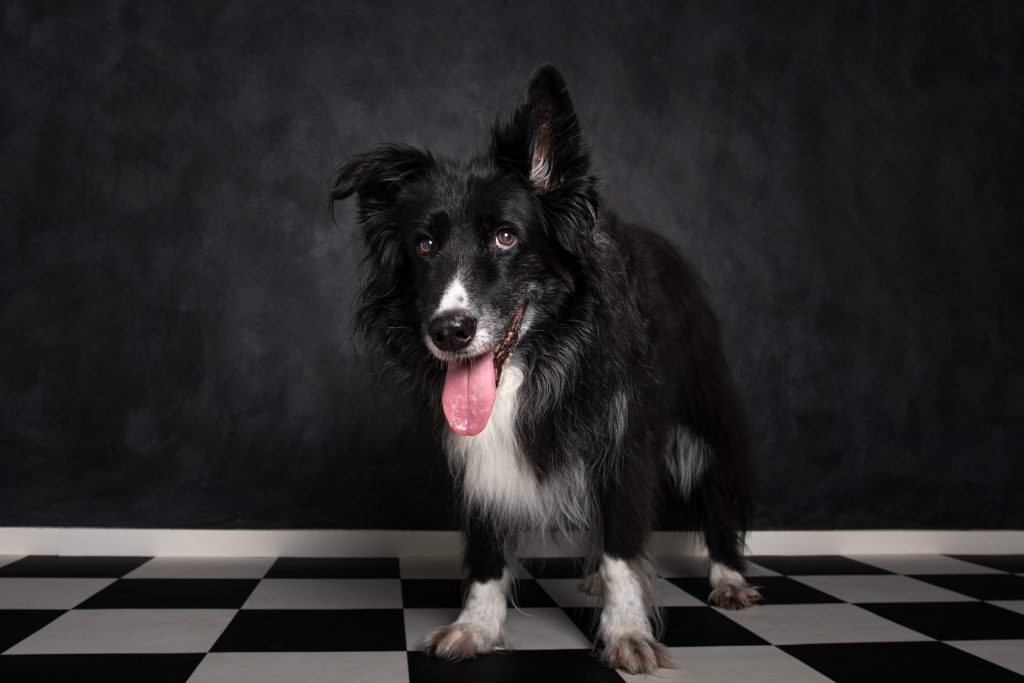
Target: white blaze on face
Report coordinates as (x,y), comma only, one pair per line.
(454,297)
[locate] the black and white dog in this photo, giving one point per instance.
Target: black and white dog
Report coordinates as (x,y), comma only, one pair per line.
(570,361)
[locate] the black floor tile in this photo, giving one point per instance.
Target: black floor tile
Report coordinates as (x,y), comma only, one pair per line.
(52,566)
(419,593)
(16,625)
(154,668)
(554,567)
(815,564)
(682,626)
(953,620)
(1006,563)
(173,594)
(534,666)
(334,568)
(432,592)
(313,631)
(898,663)
(775,590)
(688,626)
(980,586)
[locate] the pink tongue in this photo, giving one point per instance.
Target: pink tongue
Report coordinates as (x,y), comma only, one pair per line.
(469,394)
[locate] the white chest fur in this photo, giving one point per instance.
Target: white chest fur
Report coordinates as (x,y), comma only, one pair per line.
(497,479)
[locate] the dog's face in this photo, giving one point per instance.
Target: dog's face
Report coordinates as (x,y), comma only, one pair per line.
(469,255)
(477,255)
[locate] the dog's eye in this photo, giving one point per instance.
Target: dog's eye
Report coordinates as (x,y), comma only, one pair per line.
(505,238)
(425,246)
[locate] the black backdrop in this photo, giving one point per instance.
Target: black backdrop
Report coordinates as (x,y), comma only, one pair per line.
(175,302)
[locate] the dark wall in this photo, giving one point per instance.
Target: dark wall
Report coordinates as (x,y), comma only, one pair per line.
(175,302)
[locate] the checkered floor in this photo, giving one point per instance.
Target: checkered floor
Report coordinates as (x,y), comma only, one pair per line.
(899,618)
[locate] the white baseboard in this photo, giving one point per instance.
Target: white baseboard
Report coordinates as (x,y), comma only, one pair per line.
(376,543)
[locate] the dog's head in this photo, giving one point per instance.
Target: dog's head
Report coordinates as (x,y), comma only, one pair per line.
(468,255)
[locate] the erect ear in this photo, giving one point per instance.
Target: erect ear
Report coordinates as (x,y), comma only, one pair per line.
(541,140)
(376,177)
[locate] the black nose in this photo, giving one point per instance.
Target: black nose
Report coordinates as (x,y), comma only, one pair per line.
(452,332)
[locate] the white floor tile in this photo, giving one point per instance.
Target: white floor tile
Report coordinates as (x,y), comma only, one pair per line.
(326,594)
(123,631)
(880,588)
(1005,653)
(304,667)
(48,593)
(923,564)
(826,623)
(203,568)
(543,628)
(731,664)
(536,628)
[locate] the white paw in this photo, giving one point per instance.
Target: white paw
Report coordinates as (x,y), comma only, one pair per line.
(636,653)
(729,590)
(733,596)
(461,640)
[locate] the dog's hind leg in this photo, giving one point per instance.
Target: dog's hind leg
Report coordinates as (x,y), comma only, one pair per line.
(712,467)
(478,630)
(721,513)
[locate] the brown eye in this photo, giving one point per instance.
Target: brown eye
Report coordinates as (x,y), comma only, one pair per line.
(505,238)
(425,246)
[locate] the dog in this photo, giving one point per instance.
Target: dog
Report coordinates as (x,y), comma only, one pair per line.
(569,360)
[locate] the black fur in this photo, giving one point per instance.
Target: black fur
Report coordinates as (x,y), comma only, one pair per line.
(622,346)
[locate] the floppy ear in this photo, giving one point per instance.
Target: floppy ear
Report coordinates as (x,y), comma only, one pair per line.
(541,141)
(376,177)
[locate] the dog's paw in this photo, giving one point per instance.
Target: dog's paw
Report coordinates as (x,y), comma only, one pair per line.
(735,596)
(591,585)
(635,653)
(458,641)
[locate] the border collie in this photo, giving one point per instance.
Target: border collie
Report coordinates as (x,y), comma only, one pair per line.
(569,360)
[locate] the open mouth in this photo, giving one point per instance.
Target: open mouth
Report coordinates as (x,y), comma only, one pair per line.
(471,385)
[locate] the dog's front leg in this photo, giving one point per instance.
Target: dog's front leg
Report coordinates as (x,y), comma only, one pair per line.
(478,630)
(625,625)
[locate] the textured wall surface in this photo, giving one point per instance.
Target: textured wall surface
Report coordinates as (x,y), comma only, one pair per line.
(175,303)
